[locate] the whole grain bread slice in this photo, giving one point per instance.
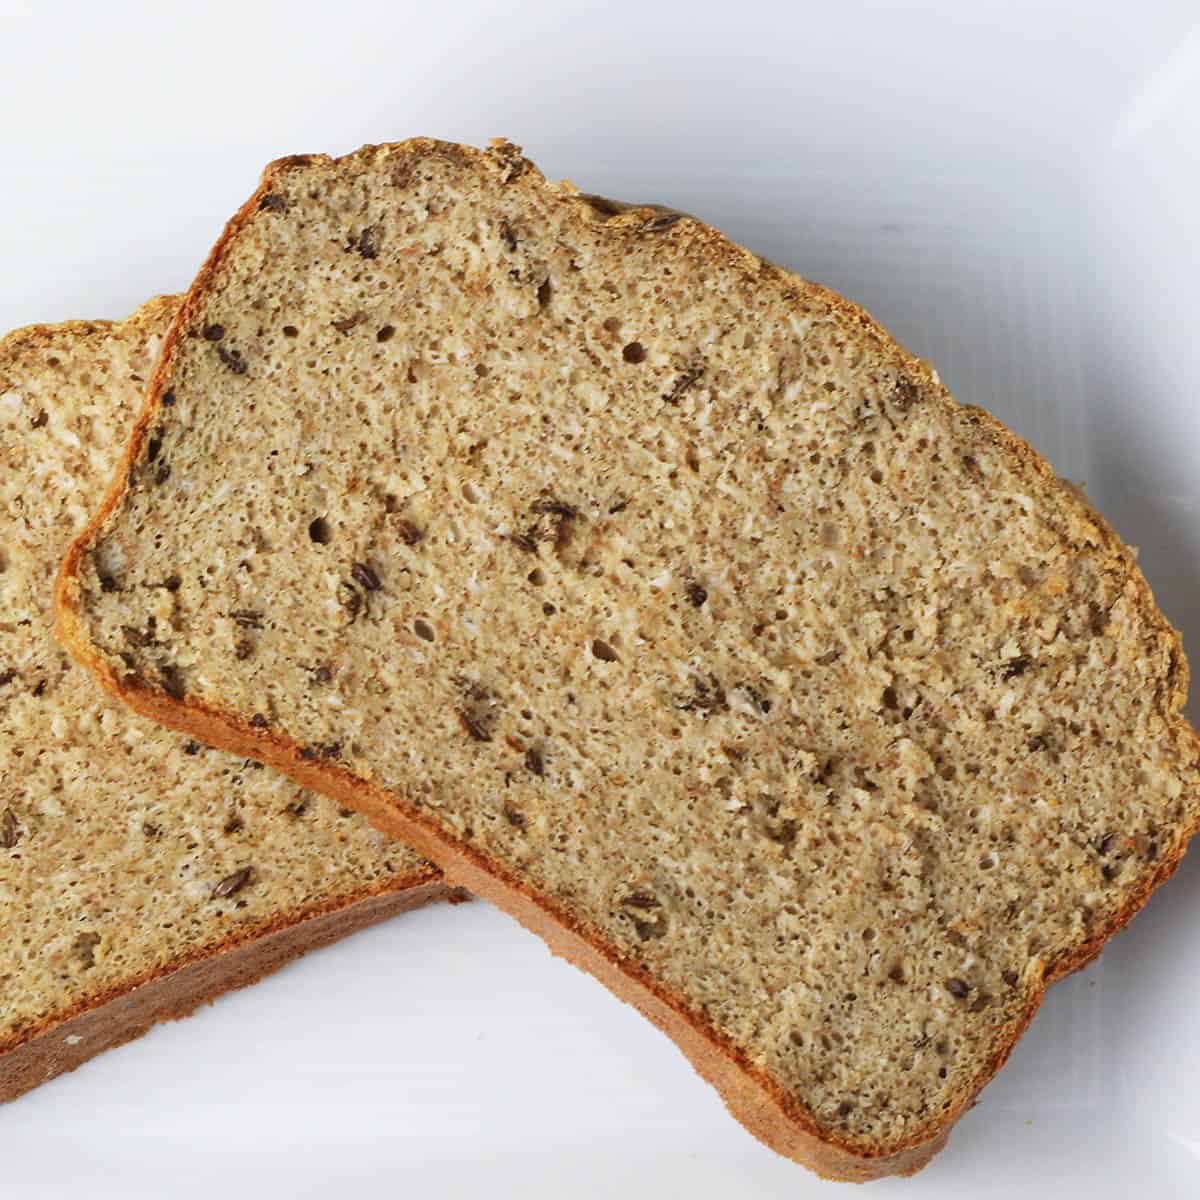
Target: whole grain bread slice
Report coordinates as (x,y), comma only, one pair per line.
(661,598)
(141,873)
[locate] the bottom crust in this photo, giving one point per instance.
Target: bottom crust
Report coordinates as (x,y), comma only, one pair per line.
(179,992)
(750,1098)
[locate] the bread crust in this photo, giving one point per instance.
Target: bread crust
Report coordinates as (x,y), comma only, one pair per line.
(123,1013)
(752,1097)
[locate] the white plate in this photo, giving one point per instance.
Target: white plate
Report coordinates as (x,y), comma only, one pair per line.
(1010,187)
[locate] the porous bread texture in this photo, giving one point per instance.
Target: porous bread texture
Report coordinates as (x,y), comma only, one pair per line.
(663,598)
(127,853)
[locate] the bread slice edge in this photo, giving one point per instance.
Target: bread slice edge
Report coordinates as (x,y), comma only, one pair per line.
(70,1038)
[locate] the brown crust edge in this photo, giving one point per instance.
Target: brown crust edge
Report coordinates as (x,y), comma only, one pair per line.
(752,1097)
(127,1011)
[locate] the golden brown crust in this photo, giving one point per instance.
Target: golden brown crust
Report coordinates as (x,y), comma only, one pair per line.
(775,1118)
(111,1020)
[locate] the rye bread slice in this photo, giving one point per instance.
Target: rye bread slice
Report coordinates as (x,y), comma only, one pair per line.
(661,598)
(141,873)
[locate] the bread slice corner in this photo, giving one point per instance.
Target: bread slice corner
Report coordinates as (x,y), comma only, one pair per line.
(141,874)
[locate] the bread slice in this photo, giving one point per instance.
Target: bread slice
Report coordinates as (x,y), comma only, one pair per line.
(661,598)
(141,873)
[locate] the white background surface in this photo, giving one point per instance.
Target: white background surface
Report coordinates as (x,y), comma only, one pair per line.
(1009,186)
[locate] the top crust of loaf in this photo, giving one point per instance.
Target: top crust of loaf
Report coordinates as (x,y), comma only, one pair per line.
(669,603)
(126,852)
